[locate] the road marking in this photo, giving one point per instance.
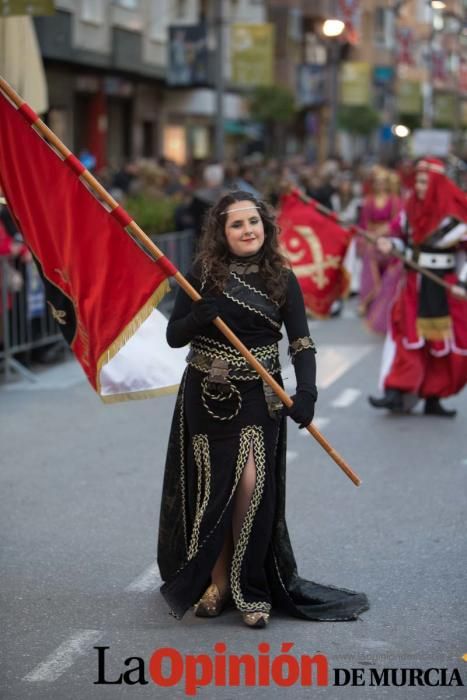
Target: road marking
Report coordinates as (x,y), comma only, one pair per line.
(319,423)
(64,656)
(346,398)
(333,361)
(149,580)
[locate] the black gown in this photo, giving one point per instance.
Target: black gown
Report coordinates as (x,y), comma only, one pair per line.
(217,419)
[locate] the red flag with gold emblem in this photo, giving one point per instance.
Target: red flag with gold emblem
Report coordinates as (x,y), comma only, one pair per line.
(102,287)
(316,245)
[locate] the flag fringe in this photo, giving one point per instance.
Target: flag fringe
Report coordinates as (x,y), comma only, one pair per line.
(131,328)
(136,395)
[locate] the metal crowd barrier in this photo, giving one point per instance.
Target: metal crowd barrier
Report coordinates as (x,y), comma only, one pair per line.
(25,320)
(178,246)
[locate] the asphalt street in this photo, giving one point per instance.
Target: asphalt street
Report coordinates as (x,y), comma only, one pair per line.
(80,488)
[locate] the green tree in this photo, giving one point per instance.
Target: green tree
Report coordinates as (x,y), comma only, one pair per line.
(274,106)
(361,120)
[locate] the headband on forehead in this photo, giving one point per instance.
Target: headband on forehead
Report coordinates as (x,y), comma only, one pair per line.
(434,166)
(253,206)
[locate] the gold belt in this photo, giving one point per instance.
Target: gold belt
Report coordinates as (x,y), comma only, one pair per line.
(222,364)
(204,351)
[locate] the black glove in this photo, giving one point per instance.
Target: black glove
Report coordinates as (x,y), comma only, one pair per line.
(303,408)
(204,311)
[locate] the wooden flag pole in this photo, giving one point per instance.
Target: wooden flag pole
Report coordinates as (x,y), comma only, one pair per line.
(460,293)
(148,245)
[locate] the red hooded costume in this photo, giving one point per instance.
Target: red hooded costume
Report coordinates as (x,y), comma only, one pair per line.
(429,324)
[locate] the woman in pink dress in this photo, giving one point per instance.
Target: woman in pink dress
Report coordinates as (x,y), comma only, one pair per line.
(379,276)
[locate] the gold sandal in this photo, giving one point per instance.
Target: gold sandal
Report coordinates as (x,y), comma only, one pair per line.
(212,602)
(256,619)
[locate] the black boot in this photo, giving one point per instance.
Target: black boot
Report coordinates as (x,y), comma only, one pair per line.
(392,400)
(433,407)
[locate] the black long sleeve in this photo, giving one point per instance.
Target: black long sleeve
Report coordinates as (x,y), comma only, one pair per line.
(182,326)
(296,325)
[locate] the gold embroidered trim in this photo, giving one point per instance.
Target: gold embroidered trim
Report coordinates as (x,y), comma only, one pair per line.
(137,395)
(299,344)
(203,465)
(438,328)
(202,345)
(253,289)
(251,308)
(249,436)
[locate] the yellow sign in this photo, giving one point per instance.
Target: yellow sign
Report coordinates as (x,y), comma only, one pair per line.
(464,124)
(9,8)
(355,83)
(444,109)
(252,54)
(409,97)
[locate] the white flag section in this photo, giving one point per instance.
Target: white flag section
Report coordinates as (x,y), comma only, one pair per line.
(145,366)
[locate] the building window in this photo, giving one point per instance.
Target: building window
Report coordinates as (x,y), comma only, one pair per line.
(174,146)
(93,11)
(383,27)
(180,9)
(159,20)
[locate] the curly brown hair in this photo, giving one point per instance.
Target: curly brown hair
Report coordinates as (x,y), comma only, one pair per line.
(214,255)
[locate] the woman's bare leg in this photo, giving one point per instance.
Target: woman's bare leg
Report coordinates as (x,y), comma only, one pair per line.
(245,488)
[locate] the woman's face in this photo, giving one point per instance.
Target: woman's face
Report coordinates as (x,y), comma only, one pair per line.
(244,230)
(380,184)
(421,185)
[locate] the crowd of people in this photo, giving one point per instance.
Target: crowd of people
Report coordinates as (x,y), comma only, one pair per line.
(371,196)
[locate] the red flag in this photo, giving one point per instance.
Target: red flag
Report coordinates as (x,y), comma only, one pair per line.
(316,245)
(102,288)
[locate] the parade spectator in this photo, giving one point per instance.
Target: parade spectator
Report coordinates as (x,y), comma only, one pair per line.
(380,275)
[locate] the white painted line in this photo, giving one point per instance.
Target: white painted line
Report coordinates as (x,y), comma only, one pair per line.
(319,423)
(64,656)
(149,580)
(291,455)
(346,398)
(333,361)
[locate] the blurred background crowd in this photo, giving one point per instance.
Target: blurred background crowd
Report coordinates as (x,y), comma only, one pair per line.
(171,103)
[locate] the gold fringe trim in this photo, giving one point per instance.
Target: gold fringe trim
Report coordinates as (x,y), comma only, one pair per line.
(144,394)
(438,328)
(131,328)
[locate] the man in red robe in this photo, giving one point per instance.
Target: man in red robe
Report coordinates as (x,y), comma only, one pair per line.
(426,348)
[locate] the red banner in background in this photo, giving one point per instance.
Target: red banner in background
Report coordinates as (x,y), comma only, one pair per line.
(316,245)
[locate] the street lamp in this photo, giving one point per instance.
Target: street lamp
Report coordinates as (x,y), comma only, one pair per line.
(438,4)
(332,29)
(400,130)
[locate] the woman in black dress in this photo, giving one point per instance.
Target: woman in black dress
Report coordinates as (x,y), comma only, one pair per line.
(222,531)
